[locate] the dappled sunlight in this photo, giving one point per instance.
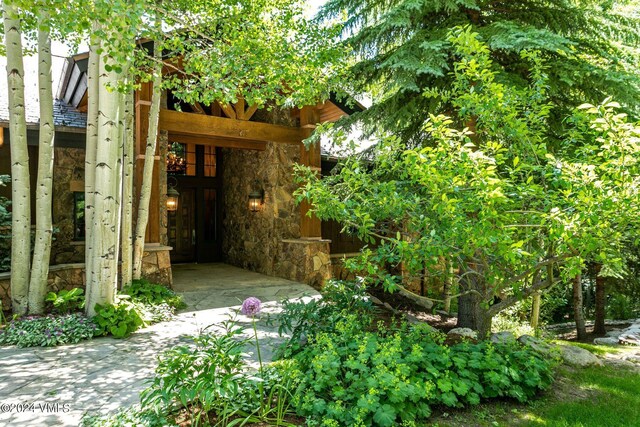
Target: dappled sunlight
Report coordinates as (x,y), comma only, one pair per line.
(104,374)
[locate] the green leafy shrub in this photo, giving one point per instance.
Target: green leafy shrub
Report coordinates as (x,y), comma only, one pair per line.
(47,331)
(621,307)
(204,377)
(119,320)
(385,378)
(146,292)
(211,379)
(301,320)
(66,301)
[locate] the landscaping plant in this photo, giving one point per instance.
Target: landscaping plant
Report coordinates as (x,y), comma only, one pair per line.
(47,331)
(119,320)
(362,373)
(145,292)
(66,301)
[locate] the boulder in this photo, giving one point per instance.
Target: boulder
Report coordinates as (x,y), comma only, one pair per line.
(613,333)
(504,337)
(457,335)
(629,339)
(464,332)
(535,343)
(610,340)
(576,356)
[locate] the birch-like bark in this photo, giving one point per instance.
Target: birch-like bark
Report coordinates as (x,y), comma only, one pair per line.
(93,84)
(127,194)
(104,234)
(44,188)
(149,160)
(20,187)
(119,177)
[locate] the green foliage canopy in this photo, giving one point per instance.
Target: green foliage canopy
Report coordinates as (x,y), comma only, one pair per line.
(401,48)
(499,204)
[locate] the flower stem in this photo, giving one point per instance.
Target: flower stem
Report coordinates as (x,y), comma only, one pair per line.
(255,332)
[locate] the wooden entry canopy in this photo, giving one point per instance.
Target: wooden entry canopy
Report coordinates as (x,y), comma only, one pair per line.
(222,128)
(224,132)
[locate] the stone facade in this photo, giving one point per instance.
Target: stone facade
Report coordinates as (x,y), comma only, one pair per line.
(156,264)
(252,239)
(305,261)
(68,177)
(268,241)
(67,277)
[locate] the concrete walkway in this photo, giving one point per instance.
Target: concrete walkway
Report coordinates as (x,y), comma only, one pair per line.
(58,385)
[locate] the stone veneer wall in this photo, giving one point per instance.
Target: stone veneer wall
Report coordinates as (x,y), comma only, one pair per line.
(268,241)
(252,239)
(68,176)
(67,277)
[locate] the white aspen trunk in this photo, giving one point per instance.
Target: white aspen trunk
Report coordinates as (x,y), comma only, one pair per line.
(93,84)
(20,187)
(120,170)
(127,194)
(149,160)
(44,222)
(104,234)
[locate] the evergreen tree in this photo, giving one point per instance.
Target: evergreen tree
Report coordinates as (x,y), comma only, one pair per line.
(591,49)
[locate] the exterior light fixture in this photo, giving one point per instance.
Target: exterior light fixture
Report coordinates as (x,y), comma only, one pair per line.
(256,200)
(172,197)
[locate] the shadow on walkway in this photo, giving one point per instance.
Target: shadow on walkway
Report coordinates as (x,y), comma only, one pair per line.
(105,374)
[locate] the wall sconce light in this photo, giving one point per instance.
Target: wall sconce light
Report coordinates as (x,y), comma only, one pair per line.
(256,200)
(172,197)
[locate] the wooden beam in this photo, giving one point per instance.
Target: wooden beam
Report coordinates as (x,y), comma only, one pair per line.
(218,142)
(310,226)
(216,110)
(219,127)
(239,107)
(250,112)
(197,108)
(143,102)
(228,110)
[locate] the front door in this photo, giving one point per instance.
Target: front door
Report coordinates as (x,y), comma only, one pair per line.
(182,228)
(209,228)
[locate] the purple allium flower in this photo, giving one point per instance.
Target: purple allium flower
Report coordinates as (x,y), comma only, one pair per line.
(251,306)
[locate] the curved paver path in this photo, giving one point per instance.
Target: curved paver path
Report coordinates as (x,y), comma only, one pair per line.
(104,374)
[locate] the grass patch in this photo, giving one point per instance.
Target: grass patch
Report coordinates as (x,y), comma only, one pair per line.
(588,397)
(599,350)
(612,398)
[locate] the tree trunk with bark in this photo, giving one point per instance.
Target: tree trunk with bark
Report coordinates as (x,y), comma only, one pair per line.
(600,301)
(93,85)
(471,313)
(535,310)
(578,313)
(20,187)
(44,188)
(446,288)
(105,232)
(127,194)
(149,159)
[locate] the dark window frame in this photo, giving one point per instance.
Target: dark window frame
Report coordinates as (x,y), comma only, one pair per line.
(78,226)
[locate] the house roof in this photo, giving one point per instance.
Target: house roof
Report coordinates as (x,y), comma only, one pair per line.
(64,115)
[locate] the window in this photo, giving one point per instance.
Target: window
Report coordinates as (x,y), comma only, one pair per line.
(191,160)
(78,216)
(181,159)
